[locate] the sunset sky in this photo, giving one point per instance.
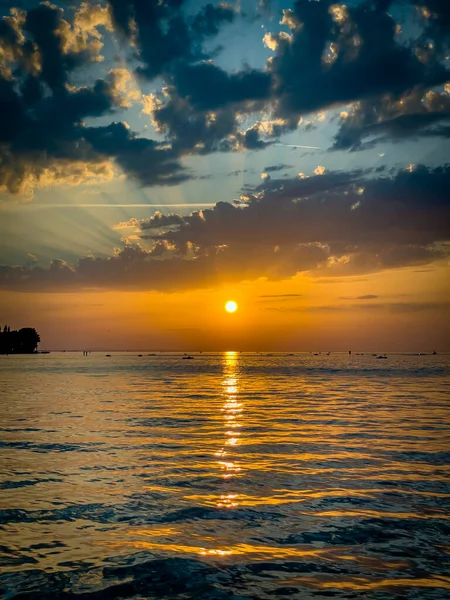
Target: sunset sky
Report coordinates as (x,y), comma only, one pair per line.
(159,158)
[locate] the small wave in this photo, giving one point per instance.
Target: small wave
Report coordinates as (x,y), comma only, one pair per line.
(159,578)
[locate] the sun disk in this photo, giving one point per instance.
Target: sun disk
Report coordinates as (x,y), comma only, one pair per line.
(231,306)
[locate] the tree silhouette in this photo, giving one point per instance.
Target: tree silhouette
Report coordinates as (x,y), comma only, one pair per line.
(24,341)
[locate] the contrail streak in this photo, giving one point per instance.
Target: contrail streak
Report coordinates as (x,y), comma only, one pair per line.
(68,205)
(297,146)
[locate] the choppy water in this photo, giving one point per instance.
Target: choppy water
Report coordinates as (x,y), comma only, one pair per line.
(227,476)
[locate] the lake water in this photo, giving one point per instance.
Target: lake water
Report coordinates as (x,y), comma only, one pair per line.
(228,476)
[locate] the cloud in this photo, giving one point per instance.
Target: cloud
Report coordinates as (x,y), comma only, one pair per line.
(281,296)
(366,297)
(331,56)
(390,307)
(278,297)
(435,15)
(43,133)
(338,54)
(130,224)
(123,88)
(210,18)
(201,105)
(406,209)
(162,34)
(131,268)
(146,161)
(389,118)
(237,172)
(275,168)
(287,228)
(43,136)
(209,87)
(325,55)
(158,220)
(331,281)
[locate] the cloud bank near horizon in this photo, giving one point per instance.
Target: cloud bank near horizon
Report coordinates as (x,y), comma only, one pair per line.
(334,224)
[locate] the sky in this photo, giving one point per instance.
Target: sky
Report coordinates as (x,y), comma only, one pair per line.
(161,157)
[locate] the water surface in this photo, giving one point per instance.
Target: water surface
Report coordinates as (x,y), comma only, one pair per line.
(228,476)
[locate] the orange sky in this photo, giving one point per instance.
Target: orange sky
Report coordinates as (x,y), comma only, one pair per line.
(400,310)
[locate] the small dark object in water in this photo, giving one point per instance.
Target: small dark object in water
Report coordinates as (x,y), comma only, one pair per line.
(187,357)
(382,356)
(139,354)
(108,355)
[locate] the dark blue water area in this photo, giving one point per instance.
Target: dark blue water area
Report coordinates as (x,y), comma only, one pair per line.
(225,477)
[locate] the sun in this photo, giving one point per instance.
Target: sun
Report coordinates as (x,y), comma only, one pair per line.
(231,306)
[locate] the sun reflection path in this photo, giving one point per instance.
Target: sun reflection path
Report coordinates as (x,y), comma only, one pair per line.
(232,414)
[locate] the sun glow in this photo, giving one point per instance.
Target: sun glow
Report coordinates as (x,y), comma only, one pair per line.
(231,306)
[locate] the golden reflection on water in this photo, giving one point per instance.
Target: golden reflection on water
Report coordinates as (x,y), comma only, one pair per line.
(232,417)
(241,549)
(365,584)
(253,551)
(153,458)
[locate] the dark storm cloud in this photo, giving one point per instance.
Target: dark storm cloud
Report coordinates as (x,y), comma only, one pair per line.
(51,134)
(360,225)
(162,32)
(401,214)
(209,87)
(42,131)
(394,119)
(204,103)
(436,20)
(365,58)
(148,162)
(297,187)
(333,55)
(42,114)
(132,268)
(42,23)
(189,129)
(328,55)
(210,18)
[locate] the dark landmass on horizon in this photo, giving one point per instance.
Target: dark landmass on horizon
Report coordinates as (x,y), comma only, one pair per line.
(22,341)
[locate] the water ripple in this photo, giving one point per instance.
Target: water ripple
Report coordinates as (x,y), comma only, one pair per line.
(232,476)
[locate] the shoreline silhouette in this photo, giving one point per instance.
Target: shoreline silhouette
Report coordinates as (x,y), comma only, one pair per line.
(22,341)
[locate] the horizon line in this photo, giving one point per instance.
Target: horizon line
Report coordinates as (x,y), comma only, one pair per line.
(182,350)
